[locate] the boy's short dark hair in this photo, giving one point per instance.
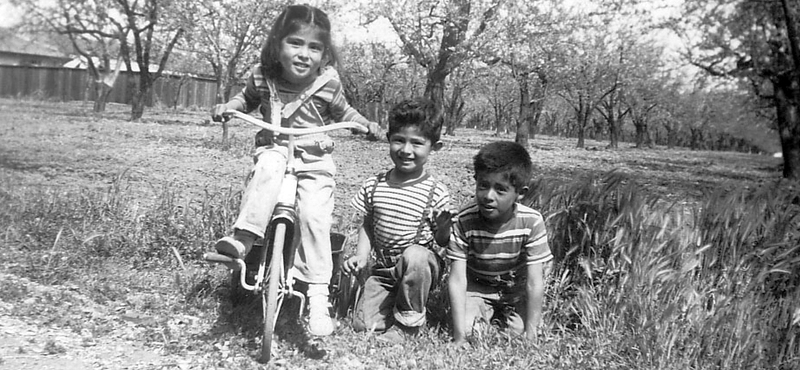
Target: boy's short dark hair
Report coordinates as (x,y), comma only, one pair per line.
(508,158)
(419,112)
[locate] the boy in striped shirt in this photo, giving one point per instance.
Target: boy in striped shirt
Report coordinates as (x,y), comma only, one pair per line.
(498,248)
(406,223)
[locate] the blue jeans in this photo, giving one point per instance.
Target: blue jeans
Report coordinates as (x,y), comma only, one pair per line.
(398,293)
(485,304)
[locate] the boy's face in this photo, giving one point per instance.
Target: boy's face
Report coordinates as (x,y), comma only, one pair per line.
(301,55)
(495,196)
(409,151)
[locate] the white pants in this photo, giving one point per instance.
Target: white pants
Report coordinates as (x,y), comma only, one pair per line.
(315,199)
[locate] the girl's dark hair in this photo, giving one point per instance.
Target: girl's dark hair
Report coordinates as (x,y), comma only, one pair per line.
(291,20)
(507,158)
(421,113)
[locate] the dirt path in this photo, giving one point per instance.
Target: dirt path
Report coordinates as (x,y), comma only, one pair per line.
(28,343)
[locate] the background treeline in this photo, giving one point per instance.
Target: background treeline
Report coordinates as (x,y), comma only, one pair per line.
(610,70)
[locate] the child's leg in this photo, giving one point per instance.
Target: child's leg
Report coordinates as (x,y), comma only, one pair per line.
(258,200)
(374,309)
(516,318)
(417,270)
(479,304)
(313,262)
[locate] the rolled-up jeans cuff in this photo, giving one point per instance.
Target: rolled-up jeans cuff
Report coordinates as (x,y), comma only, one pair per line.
(411,319)
(258,231)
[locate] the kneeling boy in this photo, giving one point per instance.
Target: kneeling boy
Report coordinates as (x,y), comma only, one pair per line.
(397,207)
(498,248)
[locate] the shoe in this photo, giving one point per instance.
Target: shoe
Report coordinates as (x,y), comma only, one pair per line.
(392,335)
(230,247)
(399,333)
(319,318)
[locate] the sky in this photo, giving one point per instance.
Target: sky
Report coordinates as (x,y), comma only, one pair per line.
(9,15)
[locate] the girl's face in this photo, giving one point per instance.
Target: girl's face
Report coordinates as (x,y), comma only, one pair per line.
(301,55)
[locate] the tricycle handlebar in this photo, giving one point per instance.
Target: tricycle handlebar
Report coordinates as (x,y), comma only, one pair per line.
(296,131)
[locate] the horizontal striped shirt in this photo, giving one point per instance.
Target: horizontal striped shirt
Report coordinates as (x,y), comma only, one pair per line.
(497,255)
(399,210)
(326,105)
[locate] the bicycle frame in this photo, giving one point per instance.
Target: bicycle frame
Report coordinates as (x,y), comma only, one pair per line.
(280,239)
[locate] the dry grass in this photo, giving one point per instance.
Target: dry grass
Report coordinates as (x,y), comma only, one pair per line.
(673,260)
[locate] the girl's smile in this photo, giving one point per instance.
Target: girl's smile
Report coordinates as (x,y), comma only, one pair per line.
(301,55)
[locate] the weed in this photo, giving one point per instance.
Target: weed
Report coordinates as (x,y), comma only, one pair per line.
(53,348)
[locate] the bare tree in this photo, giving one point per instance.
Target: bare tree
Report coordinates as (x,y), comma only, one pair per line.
(228,36)
(373,77)
(88,26)
(585,79)
(439,35)
(755,40)
(534,33)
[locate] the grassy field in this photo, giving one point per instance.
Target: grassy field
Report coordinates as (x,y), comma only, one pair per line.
(667,259)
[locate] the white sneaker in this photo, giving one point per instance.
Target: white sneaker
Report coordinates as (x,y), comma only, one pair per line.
(319,317)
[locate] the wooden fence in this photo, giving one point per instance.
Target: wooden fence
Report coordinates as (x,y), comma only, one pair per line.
(66,84)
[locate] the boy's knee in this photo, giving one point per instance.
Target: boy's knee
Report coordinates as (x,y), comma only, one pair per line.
(417,254)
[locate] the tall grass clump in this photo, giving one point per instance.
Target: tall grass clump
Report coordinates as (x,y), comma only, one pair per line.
(53,235)
(708,286)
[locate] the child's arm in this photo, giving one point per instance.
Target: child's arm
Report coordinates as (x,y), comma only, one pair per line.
(457,288)
(535,294)
(245,100)
(358,261)
(443,223)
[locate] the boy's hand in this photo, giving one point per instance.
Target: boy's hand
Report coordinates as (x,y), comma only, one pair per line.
(217,113)
(354,264)
(375,132)
(442,218)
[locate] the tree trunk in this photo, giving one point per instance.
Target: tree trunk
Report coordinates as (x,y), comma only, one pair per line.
(642,134)
(141,95)
(524,121)
(455,107)
(499,127)
(613,131)
(102,92)
(533,128)
(582,121)
(137,105)
(787,104)
(434,90)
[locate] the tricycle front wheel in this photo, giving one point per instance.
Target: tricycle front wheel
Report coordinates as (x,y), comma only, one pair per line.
(270,298)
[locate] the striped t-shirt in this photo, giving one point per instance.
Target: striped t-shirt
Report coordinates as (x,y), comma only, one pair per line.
(497,255)
(399,210)
(327,103)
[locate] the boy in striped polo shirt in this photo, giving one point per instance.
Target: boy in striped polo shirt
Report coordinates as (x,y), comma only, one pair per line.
(406,223)
(498,248)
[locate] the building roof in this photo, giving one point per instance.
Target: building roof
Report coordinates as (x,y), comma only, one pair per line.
(13,42)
